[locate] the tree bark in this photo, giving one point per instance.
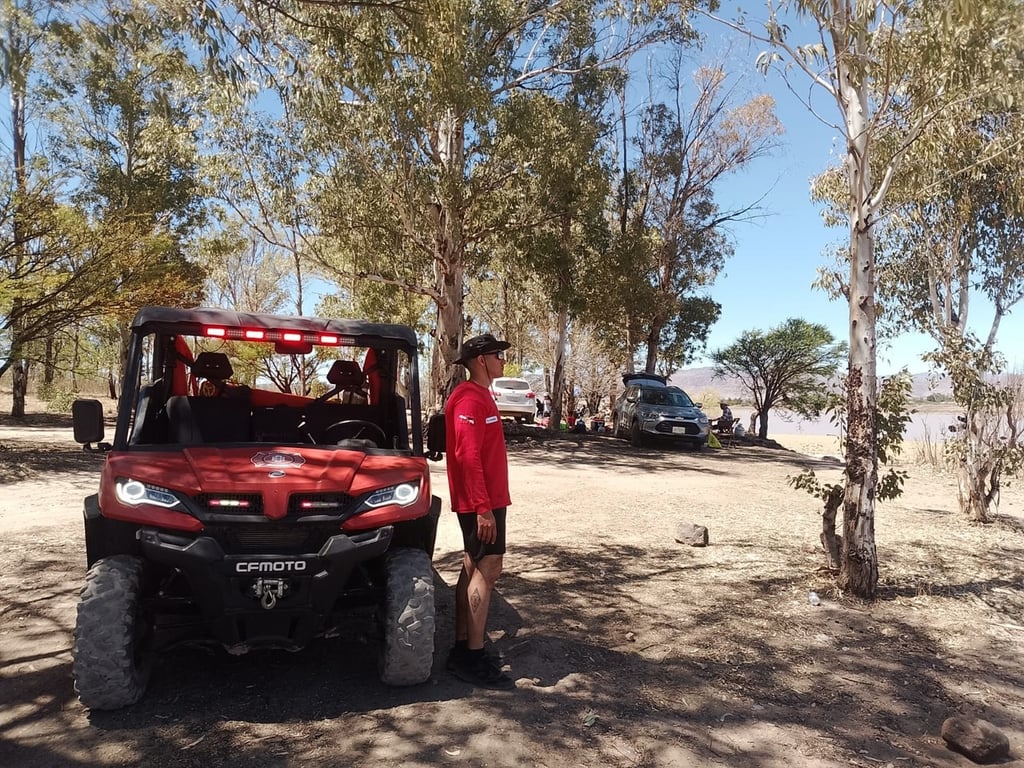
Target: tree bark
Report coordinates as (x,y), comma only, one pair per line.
(558,378)
(831,543)
(978,475)
(449,253)
(762,425)
(19,387)
(859,567)
(19,60)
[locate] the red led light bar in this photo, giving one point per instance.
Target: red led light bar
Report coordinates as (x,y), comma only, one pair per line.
(259,334)
(229,503)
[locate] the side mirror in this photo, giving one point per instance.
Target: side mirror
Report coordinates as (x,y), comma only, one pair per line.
(698,406)
(631,398)
(87,420)
(435,436)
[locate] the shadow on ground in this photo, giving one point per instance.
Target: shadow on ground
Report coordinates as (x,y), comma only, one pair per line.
(624,656)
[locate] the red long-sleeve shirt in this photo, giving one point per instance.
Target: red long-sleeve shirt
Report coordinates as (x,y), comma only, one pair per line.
(475,444)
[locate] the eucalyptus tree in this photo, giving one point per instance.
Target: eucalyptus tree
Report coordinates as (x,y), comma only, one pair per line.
(26,38)
(243,272)
(124,113)
(954,235)
(688,144)
(55,268)
(255,167)
(400,110)
(854,58)
(565,199)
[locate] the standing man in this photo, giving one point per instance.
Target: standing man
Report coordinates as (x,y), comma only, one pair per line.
(478,483)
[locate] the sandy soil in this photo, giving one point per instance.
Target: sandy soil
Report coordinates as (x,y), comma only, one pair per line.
(629,649)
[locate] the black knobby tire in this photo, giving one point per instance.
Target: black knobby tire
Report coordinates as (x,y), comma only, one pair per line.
(109,664)
(407,618)
(636,437)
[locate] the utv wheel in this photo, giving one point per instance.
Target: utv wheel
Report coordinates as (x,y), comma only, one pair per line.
(109,664)
(636,437)
(407,647)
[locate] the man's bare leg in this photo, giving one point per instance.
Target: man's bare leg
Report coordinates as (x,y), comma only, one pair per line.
(478,578)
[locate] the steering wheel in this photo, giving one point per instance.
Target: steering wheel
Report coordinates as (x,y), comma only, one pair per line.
(356,427)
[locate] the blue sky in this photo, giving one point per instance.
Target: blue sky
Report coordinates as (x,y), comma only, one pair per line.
(768,280)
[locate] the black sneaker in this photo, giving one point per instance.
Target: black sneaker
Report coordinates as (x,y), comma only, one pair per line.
(482,670)
(455,655)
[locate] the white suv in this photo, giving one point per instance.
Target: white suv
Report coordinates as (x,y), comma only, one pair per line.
(515,398)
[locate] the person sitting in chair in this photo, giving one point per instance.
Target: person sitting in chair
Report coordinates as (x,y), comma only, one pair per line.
(724,422)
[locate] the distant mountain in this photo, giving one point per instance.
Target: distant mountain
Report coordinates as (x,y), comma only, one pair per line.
(698,380)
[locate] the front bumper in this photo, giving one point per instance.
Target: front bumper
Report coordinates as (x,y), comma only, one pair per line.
(224,589)
(675,429)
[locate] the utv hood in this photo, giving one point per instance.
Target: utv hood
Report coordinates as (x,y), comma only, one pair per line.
(274,474)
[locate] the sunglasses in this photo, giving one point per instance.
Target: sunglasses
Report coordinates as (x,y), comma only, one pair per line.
(500,354)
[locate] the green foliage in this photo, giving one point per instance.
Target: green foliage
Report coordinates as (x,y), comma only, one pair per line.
(891,418)
(58,398)
(98,222)
(672,242)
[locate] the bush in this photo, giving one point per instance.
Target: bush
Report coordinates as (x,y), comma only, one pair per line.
(709,397)
(58,398)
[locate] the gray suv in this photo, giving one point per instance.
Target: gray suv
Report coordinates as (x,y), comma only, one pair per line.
(649,409)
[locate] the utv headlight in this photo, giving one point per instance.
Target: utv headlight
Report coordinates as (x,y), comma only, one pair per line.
(403,495)
(135,492)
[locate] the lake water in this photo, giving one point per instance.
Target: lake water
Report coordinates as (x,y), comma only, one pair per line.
(929,422)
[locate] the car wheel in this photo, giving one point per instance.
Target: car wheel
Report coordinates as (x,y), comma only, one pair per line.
(109,664)
(636,437)
(407,618)
(530,419)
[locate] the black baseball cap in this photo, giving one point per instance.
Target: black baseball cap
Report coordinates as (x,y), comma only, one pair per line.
(484,344)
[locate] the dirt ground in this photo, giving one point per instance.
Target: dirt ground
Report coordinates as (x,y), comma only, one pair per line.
(629,649)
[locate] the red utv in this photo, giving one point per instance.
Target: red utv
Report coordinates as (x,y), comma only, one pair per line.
(267,475)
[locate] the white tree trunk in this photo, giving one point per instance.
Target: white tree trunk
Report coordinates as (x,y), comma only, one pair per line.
(449,254)
(859,564)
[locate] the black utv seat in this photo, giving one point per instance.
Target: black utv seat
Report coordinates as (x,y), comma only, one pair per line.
(215,419)
(208,419)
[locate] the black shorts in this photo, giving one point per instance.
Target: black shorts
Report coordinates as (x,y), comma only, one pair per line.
(475,548)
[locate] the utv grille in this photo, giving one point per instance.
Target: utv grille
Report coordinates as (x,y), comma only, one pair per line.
(263,538)
(230,503)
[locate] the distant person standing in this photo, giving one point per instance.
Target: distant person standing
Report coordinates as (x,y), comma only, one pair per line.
(478,484)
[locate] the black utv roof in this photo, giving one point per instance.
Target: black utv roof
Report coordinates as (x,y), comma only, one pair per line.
(196,319)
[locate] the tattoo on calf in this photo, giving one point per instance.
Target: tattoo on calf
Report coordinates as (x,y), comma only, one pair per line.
(474,600)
